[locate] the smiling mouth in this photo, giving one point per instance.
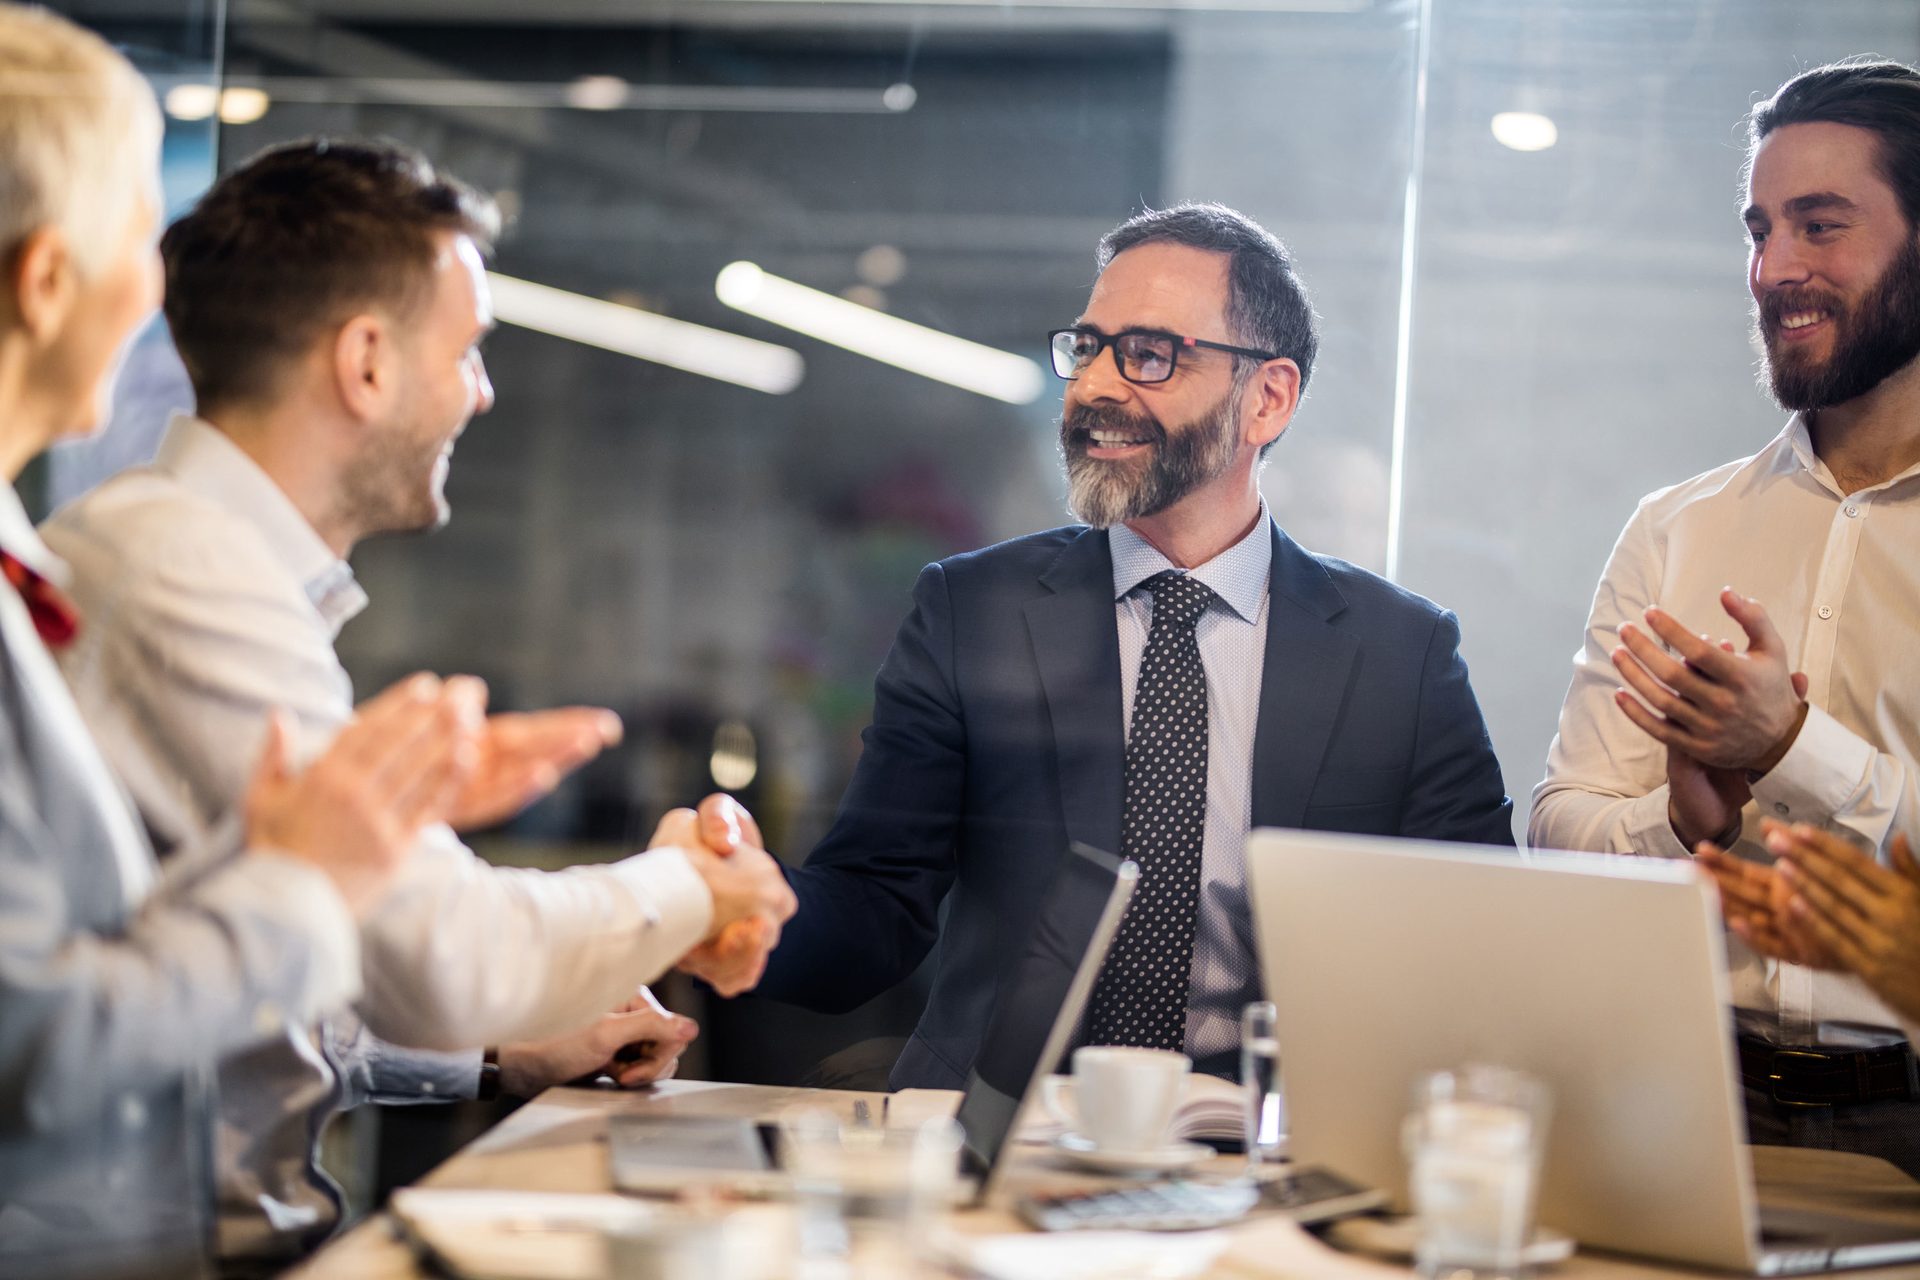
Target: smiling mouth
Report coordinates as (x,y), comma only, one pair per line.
(1106,439)
(1793,320)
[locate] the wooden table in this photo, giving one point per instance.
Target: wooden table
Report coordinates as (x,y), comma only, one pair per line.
(558,1143)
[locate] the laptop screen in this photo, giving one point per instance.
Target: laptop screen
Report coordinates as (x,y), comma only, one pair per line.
(1041,997)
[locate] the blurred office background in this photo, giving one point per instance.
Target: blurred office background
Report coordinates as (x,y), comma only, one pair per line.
(1518,219)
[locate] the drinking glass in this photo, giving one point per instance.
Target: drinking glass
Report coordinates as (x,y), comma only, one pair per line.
(866,1197)
(1474,1142)
(1265,1114)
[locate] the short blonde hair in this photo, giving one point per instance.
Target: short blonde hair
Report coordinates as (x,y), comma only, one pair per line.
(79,135)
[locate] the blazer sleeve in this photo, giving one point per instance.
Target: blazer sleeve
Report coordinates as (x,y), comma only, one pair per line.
(870,892)
(207,964)
(1454,789)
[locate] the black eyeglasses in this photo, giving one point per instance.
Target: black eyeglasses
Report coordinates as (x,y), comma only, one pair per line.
(1141,355)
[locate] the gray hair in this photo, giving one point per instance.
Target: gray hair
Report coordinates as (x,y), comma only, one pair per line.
(1266,303)
(79,135)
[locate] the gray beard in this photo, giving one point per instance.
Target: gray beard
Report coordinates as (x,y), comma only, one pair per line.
(1103,493)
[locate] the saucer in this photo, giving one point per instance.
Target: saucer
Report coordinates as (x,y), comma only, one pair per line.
(1175,1155)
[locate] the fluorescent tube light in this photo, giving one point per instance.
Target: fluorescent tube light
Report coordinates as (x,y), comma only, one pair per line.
(930,353)
(694,348)
(589,93)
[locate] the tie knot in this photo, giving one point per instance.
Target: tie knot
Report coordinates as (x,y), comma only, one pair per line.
(1179,598)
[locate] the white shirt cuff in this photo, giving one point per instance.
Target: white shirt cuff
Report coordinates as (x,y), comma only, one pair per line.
(1821,775)
(1648,829)
(676,902)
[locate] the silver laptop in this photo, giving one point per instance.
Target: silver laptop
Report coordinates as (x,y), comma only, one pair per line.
(1034,1017)
(1603,976)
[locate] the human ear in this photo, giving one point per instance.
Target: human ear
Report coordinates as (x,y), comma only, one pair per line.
(1275,394)
(363,372)
(42,282)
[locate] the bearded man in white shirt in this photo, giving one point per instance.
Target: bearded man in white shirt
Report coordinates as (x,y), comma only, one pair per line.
(1815,717)
(328,300)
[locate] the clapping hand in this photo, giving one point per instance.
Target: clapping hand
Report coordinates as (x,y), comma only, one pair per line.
(1755,902)
(523,755)
(1722,708)
(355,811)
(1861,912)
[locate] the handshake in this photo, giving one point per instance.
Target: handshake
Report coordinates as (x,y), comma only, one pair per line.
(425,751)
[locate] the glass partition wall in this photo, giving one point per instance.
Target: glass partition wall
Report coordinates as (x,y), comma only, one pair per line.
(1517,219)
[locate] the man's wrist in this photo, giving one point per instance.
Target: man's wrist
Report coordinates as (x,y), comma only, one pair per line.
(1724,838)
(1775,754)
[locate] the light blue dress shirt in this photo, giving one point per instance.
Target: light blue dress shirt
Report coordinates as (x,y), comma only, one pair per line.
(1232,635)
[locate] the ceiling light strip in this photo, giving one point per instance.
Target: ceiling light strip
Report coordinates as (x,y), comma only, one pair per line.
(611,326)
(532,95)
(971,366)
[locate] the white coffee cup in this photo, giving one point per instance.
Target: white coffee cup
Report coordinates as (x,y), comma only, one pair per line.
(1120,1099)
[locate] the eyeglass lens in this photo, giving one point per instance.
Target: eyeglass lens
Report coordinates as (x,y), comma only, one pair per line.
(1144,357)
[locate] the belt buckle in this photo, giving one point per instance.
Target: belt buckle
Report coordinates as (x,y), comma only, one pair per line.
(1773,1075)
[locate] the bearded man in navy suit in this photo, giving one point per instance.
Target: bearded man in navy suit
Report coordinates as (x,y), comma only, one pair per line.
(1030,697)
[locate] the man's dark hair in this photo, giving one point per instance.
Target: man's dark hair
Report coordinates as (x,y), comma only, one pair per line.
(1883,97)
(1267,306)
(297,240)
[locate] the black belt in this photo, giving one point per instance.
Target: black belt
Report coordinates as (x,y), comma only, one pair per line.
(1813,1076)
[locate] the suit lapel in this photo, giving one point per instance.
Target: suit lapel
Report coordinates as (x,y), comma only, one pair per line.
(1308,666)
(1076,646)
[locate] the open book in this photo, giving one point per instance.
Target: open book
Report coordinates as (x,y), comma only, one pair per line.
(1214,1110)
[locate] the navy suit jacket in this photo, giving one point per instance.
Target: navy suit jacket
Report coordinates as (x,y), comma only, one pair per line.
(997,739)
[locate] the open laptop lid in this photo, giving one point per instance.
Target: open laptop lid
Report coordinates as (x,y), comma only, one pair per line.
(1603,976)
(1040,1002)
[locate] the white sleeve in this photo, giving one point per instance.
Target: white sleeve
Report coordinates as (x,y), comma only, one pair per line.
(1833,777)
(1606,784)
(190,642)
(461,953)
(205,642)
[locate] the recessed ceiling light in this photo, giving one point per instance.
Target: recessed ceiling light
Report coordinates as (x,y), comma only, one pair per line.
(192,101)
(1525,130)
(243,104)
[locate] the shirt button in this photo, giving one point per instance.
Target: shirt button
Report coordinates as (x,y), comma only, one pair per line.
(1826,611)
(1852,510)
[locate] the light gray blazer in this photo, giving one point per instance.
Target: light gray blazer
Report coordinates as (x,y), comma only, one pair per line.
(118,988)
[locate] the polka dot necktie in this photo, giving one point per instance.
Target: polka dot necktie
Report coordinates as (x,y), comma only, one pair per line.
(1141,998)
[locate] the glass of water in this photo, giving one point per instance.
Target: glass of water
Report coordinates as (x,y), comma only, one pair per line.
(1260,1079)
(1474,1143)
(865,1197)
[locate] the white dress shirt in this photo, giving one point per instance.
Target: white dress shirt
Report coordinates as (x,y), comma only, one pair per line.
(119,987)
(211,600)
(1838,575)
(1232,636)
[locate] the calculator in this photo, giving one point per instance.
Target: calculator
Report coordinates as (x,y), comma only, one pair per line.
(1305,1195)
